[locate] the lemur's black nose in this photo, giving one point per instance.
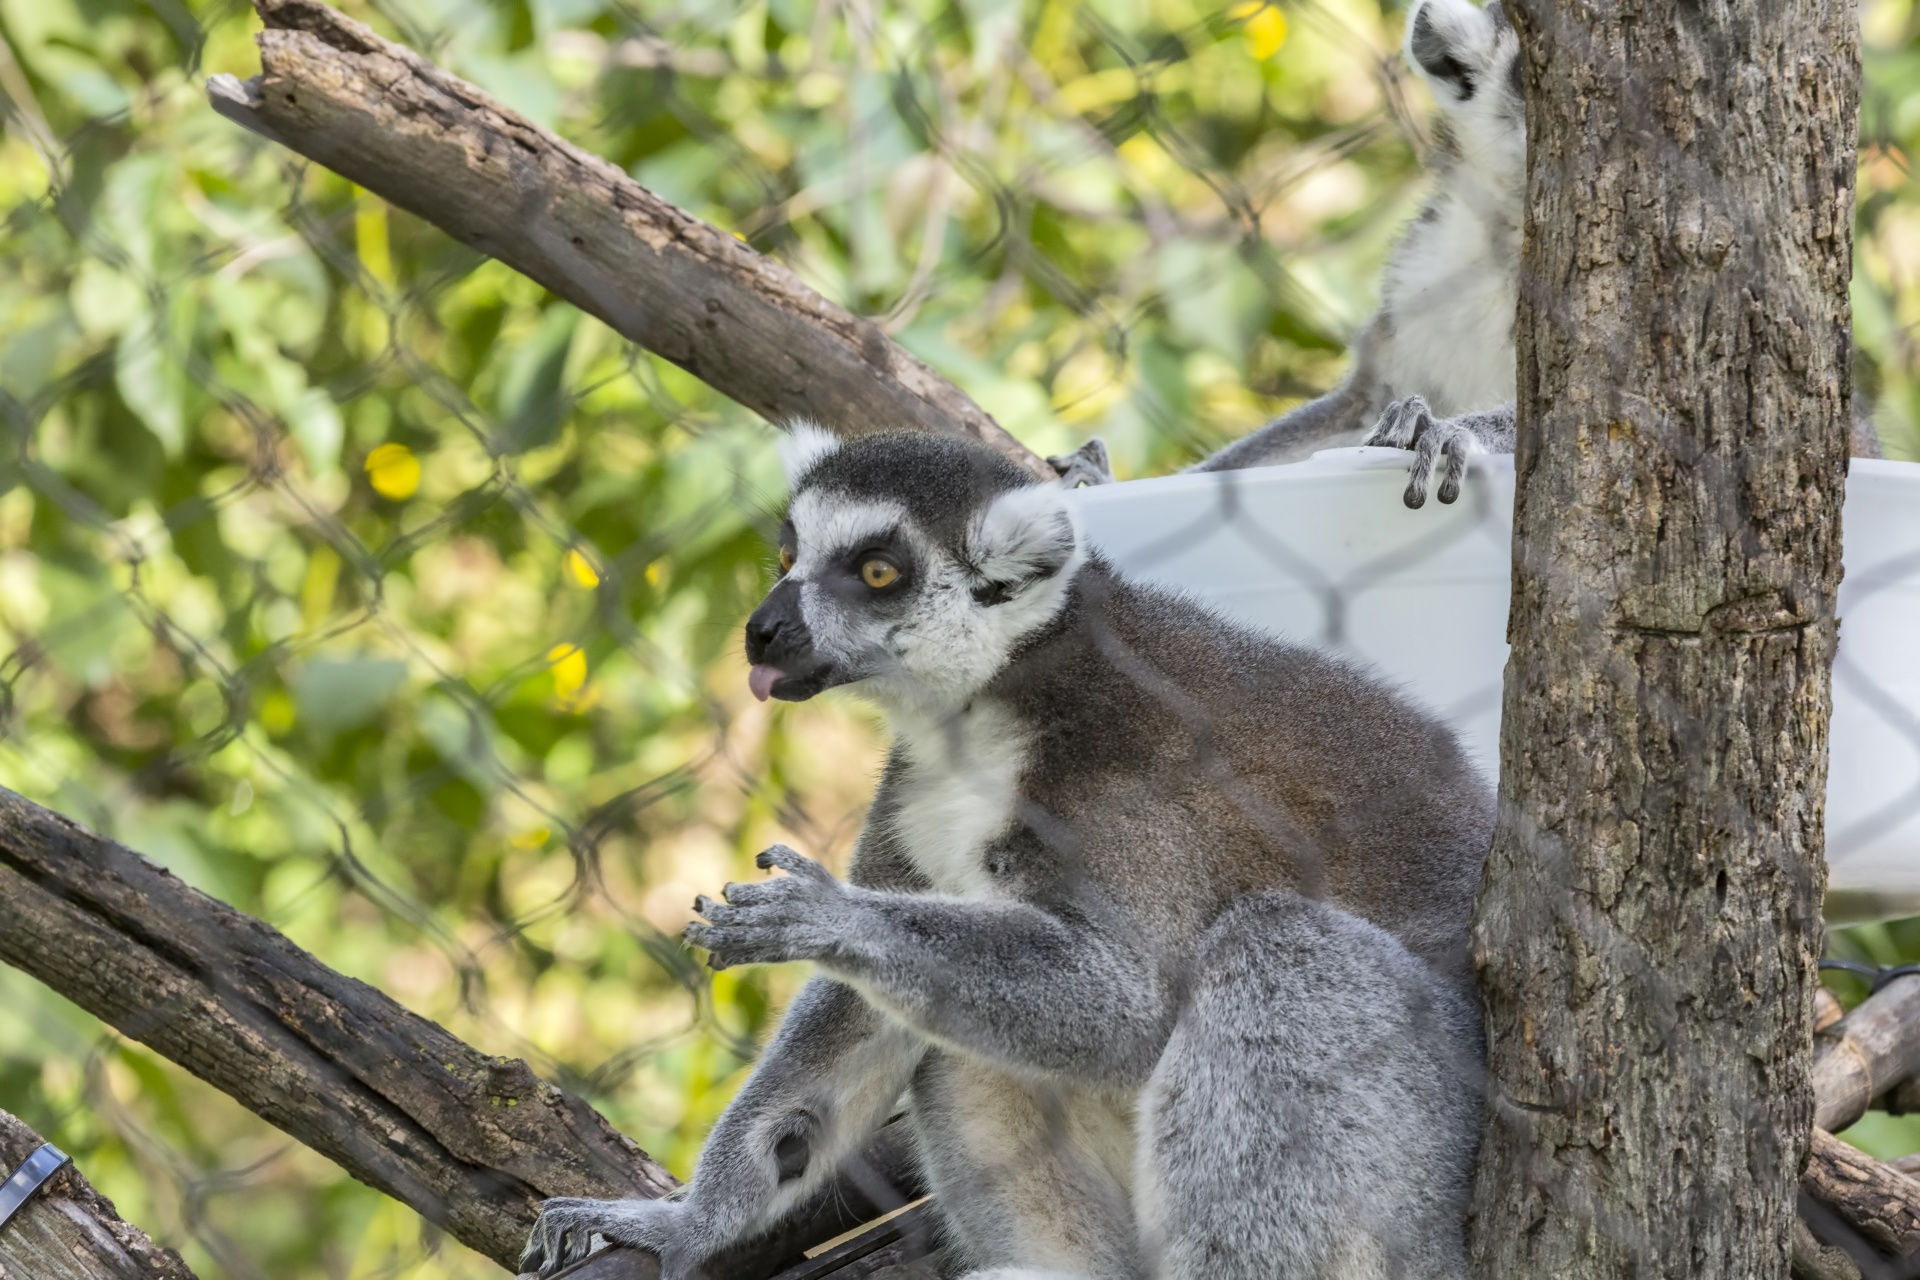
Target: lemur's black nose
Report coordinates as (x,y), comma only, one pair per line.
(776,630)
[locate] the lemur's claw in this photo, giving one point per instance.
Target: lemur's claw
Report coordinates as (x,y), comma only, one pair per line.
(1442,444)
(1086,466)
(797,916)
(790,861)
(567,1229)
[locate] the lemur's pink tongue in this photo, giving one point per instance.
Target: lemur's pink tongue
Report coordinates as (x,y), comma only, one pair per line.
(761,679)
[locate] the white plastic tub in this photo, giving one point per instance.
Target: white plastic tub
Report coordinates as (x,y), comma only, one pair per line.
(1323,552)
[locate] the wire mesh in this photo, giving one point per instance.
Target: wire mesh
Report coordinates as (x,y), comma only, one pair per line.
(377,593)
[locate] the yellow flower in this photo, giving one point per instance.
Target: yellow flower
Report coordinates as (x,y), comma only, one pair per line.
(581,569)
(1265,30)
(569,665)
(393,471)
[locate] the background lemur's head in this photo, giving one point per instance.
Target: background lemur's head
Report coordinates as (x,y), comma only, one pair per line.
(1470,58)
(913,562)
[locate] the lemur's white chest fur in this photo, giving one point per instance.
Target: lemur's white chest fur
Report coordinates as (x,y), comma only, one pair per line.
(957,795)
(1449,296)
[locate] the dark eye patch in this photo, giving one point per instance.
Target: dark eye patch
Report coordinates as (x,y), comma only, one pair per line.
(1433,52)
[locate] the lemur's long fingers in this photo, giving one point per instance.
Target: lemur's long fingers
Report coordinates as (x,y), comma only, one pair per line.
(750,894)
(727,946)
(1390,431)
(1454,452)
(1428,441)
(1383,425)
(791,861)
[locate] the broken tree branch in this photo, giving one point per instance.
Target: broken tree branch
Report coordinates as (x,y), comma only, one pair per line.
(383,117)
(69,1231)
(1867,1053)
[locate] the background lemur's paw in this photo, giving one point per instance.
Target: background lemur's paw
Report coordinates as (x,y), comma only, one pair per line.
(565,1230)
(798,916)
(1087,465)
(1445,442)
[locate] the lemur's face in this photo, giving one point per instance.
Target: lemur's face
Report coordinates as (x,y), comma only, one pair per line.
(912,563)
(1470,58)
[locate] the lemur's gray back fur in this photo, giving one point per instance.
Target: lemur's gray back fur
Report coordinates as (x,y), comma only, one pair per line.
(1161,921)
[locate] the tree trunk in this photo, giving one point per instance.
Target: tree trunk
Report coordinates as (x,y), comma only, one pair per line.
(1650,915)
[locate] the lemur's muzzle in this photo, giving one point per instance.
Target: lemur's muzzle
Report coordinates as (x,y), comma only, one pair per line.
(781,649)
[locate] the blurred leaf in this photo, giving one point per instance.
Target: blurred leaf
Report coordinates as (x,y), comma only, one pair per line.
(333,694)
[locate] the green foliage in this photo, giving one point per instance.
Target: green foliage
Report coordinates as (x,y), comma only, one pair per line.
(380,595)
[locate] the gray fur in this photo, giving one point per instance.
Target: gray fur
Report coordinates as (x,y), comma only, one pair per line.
(1123,853)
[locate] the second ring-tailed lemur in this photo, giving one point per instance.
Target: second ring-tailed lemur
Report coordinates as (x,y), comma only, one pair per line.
(1160,923)
(1433,370)
(1444,328)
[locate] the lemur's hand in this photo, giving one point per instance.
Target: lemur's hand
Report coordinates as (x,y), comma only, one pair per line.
(802,915)
(565,1231)
(1087,465)
(1449,442)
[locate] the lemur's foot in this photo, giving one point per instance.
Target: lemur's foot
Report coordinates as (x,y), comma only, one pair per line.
(802,915)
(1443,442)
(567,1229)
(1087,465)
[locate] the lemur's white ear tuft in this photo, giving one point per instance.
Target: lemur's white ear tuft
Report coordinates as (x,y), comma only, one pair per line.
(1450,43)
(1023,536)
(805,444)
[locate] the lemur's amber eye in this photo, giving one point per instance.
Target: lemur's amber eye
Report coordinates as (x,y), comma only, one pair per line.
(787,557)
(878,574)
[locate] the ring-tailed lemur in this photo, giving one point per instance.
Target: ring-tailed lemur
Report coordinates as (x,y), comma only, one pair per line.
(1444,327)
(1161,923)
(1433,370)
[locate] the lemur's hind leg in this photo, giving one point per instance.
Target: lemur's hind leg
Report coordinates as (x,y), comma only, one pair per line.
(1317,1110)
(1032,1178)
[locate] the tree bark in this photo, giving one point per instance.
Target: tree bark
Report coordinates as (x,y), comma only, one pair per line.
(1876,1201)
(69,1231)
(1650,915)
(383,117)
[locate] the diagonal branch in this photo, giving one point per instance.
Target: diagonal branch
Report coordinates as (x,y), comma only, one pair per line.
(381,116)
(472,1141)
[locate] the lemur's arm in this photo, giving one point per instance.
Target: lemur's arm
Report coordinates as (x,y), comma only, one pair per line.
(831,1076)
(1007,981)
(1445,442)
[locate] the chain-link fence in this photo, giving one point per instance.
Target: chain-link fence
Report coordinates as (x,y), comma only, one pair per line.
(368,588)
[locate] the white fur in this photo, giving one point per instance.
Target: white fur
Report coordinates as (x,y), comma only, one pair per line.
(804,444)
(959,795)
(1449,289)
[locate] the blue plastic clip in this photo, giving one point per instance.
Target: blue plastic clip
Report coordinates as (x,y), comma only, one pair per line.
(28,1178)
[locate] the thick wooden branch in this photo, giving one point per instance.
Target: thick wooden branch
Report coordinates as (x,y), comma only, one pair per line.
(389,120)
(1867,1053)
(1874,1200)
(473,1142)
(69,1231)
